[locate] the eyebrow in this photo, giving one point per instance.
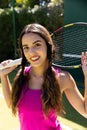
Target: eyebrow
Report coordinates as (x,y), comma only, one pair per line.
(32,43)
(36,41)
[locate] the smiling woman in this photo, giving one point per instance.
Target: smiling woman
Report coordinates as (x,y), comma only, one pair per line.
(36,93)
(34,48)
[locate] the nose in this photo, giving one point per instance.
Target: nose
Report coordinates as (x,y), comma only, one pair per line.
(31,50)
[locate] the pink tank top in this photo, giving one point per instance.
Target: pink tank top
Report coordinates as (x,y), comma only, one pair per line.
(31,114)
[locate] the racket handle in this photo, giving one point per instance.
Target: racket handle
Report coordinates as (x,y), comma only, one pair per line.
(12,63)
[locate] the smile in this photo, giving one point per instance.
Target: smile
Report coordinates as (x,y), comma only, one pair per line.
(35,58)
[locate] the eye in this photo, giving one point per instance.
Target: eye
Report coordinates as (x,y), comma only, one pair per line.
(37,44)
(25,48)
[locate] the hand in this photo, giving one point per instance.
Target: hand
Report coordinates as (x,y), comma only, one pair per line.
(7,70)
(84,62)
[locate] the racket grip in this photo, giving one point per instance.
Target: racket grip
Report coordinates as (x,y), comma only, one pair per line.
(12,63)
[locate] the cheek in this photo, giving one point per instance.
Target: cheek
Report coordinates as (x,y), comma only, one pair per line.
(26,55)
(44,51)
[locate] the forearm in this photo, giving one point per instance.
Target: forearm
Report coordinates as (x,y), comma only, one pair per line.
(6,88)
(85,94)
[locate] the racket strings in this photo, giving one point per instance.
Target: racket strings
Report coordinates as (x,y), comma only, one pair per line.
(75,36)
(70,42)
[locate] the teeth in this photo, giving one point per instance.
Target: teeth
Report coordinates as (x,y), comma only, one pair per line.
(34,58)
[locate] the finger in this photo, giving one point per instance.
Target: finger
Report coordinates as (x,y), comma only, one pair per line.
(86,55)
(84,58)
(4,63)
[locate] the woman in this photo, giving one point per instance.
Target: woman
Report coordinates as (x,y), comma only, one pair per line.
(37,90)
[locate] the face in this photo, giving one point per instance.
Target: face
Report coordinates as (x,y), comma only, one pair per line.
(35,49)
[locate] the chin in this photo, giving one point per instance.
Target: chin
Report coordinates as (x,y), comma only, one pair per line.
(37,65)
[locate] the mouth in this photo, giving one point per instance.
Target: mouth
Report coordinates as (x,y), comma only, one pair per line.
(35,58)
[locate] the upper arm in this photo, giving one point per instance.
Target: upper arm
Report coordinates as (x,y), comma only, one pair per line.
(69,87)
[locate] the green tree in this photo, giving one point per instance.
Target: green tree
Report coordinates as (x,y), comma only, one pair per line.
(27,3)
(32,3)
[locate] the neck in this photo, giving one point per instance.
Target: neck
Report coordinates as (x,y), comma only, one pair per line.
(38,71)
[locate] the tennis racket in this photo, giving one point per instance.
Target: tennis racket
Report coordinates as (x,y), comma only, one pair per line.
(10,64)
(70,40)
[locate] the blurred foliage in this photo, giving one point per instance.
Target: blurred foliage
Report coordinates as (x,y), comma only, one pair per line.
(4,3)
(27,3)
(50,16)
(6,31)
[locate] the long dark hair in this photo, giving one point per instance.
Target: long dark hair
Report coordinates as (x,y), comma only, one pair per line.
(51,95)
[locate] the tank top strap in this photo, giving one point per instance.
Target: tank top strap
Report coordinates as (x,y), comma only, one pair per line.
(27,69)
(56,69)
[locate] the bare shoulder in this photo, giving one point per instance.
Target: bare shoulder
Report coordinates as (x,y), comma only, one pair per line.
(65,80)
(63,75)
